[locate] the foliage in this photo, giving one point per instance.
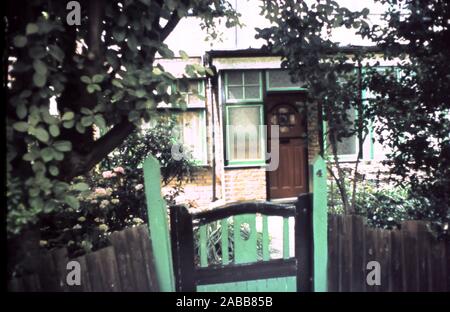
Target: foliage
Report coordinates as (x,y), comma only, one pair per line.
(387,206)
(116,198)
(100,72)
(413,107)
(410,106)
(300,33)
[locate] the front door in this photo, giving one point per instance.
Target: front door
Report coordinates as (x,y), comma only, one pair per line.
(290,179)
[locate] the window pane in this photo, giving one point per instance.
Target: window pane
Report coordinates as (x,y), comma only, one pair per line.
(235,93)
(244,133)
(252,93)
(281,79)
(234,78)
(347,146)
(191,133)
(251,77)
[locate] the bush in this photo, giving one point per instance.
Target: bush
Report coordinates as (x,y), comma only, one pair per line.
(386,207)
(116,198)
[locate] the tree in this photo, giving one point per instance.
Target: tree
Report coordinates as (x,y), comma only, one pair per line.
(411,104)
(413,107)
(100,72)
(331,75)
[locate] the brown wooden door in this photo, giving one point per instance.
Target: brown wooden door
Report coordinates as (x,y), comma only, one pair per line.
(290,179)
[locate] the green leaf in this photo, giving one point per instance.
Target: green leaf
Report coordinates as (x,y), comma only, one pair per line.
(54,130)
(56,52)
(54,171)
(63,146)
(40,67)
(21,126)
(119,35)
(72,201)
(132,42)
(39,80)
(41,134)
(20,41)
(68,124)
(86,121)
(86,111)
(91,88)
(31,28)
(21,110)
(141,93)
(81,187)
(97,78)
(117,83)
(68,116)
(100,121)
(184,55)
(47,154)
(156,71)
(86,79)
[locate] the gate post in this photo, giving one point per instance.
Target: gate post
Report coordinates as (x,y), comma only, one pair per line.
(158,224)
(320,223)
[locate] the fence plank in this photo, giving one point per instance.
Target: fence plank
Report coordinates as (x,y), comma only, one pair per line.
(358,281)
(333,253)
(411,261)
(85,281)
(60,260)
(158,225)
(137,260)
(149,259)
(124,263)
(371,254)
(384,245)
(423,248)
(397,261)
(47,272)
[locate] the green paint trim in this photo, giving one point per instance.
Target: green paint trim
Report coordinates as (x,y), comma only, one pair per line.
(286,238)
(203,246)
(244,162)
(320,224)
(224,241)
(158,225)
(265,238)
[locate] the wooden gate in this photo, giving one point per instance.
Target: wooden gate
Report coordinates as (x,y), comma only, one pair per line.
(251,267)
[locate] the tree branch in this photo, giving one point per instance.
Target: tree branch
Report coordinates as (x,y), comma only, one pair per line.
(170,26)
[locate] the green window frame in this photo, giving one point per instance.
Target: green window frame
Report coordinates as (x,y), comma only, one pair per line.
(243,85)
(288,88)
(245,162)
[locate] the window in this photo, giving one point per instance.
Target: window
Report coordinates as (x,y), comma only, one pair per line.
(279,79)
(194,92)
(245,141)
(192,133)
(241,86)
(347,148)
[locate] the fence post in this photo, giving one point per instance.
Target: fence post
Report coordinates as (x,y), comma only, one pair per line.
(320,223)
(158,224)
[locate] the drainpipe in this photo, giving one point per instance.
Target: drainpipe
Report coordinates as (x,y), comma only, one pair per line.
(210,86)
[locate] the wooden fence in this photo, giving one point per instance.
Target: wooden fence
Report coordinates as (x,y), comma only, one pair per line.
(126,265)
(410,259)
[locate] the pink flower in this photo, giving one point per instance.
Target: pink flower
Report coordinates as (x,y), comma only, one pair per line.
(108,175)
(100,191)
(119,170)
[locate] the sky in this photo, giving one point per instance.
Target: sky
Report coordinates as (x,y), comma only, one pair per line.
(189,37)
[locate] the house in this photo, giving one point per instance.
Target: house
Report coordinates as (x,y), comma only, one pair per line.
(223,126)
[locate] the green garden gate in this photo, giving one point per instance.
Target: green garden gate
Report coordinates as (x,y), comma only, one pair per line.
(174,250)
(247,271)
